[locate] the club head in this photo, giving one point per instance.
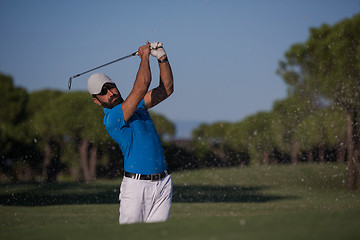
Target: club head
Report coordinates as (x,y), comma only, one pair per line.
(69,84)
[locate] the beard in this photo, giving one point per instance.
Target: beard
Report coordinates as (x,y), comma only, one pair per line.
(114,100)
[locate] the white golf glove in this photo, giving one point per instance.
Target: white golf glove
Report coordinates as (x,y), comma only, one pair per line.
(157,49)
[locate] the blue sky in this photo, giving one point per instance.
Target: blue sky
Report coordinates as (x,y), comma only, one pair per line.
(224,54)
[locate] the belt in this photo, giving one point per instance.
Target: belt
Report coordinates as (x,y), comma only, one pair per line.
(152,177)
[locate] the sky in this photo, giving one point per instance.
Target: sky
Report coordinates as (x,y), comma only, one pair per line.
(224,54)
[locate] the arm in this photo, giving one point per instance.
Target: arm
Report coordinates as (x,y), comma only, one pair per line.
(165,88)
(141,84)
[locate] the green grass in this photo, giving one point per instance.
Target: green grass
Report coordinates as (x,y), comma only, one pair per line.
(275,202)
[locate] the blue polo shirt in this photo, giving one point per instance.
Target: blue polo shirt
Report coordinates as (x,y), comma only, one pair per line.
(137,138)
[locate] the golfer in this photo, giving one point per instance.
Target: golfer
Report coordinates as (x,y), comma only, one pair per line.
(146,189)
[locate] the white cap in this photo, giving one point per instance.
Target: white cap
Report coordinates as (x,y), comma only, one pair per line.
(96,82)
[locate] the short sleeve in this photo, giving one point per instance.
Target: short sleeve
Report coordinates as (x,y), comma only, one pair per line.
(114,118)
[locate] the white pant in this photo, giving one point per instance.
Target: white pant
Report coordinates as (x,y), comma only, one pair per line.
(145,201)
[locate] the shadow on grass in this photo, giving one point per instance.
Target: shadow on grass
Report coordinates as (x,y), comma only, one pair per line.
(81,193)
(244,194)
(58,194)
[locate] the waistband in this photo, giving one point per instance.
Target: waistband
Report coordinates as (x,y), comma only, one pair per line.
(152,177)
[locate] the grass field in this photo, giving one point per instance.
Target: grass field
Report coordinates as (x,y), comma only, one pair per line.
(267,202)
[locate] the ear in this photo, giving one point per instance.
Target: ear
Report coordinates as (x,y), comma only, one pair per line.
(97,101)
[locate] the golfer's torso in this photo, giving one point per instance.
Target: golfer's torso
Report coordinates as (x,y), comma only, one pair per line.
(138,140)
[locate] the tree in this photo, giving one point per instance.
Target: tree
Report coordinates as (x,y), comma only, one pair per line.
(329,62)
(335,128)
(260,140)
(311,135)
(206,137)
(80,120)
(237,137)
(164,127)
(218,144)
(42,127)
(288,115)
(323,129)
(12,115)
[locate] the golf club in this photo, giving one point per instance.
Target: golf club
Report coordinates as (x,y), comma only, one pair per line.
(78,75)
(130,55)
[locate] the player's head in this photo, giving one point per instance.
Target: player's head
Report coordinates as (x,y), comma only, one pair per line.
(103,90)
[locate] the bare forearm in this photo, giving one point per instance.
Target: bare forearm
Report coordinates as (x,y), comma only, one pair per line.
(166,85)
(143,77)
(166,76)
(141,84)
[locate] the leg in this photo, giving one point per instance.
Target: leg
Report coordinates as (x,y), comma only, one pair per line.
(131,202)
(162,203)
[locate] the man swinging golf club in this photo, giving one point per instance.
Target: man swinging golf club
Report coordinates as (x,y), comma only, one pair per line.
(146,189)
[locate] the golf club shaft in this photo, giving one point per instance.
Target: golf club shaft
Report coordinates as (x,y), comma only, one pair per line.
(78,75)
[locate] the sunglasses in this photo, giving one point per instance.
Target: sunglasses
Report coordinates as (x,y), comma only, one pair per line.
(106,87)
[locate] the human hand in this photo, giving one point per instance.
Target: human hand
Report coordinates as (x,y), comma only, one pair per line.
(144,51)
(157,49)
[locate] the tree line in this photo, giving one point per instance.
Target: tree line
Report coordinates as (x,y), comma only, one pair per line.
(317,121)
(48,132)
